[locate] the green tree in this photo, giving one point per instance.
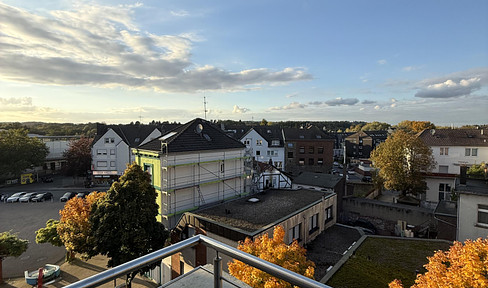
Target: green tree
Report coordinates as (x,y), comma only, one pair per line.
(414,126)
(49,234)
(11,246)
(124,225)
(477,170)
(19,152)
(402,159)
(375,126)
(78,157)
(264,122)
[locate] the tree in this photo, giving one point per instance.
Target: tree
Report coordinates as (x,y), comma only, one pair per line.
(74,227)
(477,170)
(124,225)
(464,265)
(274,250)
(78,157)
(414,126)
(264,122)
(375,126)
(402,159)
(19,152)
(49,234)
(11,246)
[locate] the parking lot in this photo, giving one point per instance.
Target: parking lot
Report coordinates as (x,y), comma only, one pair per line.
(26,218)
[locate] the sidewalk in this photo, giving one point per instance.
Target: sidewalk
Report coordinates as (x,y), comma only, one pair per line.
(79,270)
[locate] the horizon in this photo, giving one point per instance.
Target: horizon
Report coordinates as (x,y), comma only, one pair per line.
(124,61)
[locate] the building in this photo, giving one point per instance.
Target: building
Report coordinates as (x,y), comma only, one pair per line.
(472,209)
(57,145)
(307,149)
(192,165)
(452,148)
(360,144)
(339,144)
(265,144)
(303,214)
(266,176)
(111,148)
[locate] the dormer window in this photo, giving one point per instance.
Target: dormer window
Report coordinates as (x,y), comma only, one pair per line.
(301,137)
(275,142)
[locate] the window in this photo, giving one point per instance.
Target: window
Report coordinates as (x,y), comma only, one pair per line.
(301,137)
(112,163)
(102,163)
(329,214)
(444,151)
(222,167)
(275,142)
(313,224)
(443,169)
(474,152)
(149,169)
(310,161)
(290,145)
(294,233)
(311,150)
(290,154)
(101,151)
(109,140)
(444,191)
(247,142)
(483,215)
(258,152)
(302,150)
(467,152)
(259,142)
(279,164)
(301,161)
(112,151)
(320,150)
(320,161)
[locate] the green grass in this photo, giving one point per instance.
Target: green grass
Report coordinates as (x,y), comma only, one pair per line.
(379,261)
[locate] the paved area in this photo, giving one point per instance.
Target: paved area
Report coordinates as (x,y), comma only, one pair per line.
(78,270)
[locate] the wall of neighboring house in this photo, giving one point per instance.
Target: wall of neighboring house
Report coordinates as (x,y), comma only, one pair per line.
(309,155)
(106,152)
(469,209)
(436,186)
(153,135)
(456,156)
(149,161)
(261,150)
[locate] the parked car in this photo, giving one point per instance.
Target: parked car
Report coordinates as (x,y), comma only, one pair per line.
(41,197)
(67,196)
(3,197)
(82,194)
(28,197)
(15,197)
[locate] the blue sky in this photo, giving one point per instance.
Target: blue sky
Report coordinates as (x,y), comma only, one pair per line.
(120,61)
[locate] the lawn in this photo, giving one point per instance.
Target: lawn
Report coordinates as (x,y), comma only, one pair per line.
(378,261)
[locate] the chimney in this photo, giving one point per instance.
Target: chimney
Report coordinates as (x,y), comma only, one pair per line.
(462,175)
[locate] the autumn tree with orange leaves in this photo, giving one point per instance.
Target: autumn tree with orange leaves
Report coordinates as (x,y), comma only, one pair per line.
(274,250)
(464,265)
(74,226)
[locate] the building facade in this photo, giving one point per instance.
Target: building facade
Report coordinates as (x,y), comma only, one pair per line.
(265,144)
(360,144)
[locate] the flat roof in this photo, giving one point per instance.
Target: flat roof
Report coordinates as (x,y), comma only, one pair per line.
(273,205)
(473,186)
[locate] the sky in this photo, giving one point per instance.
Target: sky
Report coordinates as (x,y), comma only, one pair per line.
(126,61)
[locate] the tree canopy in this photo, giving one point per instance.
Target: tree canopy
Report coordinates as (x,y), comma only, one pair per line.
(402,159)
(49,234)
(11,246)
(464,265)
(19,152)
(477,170)
(78,156)
(414,126)
(124,225)
(274,250)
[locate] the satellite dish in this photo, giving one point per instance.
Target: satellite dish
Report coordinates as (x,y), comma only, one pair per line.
(199,128)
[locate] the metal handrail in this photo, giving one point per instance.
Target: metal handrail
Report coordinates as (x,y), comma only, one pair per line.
(156,256)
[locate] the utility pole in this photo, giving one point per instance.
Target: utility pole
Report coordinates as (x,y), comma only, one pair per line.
(205,106)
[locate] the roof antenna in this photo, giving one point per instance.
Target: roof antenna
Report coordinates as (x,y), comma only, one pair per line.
(205,106)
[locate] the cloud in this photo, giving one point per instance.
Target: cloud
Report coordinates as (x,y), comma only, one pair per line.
(450,88)
(291,95)
(382,62)
(180,13)
(411,68)
(291,106)
(367,102)
(24,101)
(102,46)
(239,110)
(377,107)
(339,101)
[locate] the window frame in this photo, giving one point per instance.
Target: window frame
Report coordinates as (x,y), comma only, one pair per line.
(313,224)
(483,209)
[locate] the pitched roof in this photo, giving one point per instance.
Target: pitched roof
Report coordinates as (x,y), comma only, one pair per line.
(269,133)
(455,137)
(307,133)
(317,179)
(132,134)
(196,135)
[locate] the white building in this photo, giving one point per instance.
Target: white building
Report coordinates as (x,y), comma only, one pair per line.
(192,165)
(472,220)
(452,148)
(111,148)
(265,144)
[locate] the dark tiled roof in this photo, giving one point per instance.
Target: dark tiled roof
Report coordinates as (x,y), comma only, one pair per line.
(272,206)
(317,179)
(308,133)
(455,137)
(132,134)
(377,134)
(196,135)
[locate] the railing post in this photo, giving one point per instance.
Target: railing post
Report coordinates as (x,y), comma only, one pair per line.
(217,271)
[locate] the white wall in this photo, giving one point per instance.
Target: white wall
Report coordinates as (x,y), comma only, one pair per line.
(468,217)
(432,192)
(251,140)
(456,157)
(109,156)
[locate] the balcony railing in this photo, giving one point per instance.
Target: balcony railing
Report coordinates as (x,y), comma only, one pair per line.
(157,256)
